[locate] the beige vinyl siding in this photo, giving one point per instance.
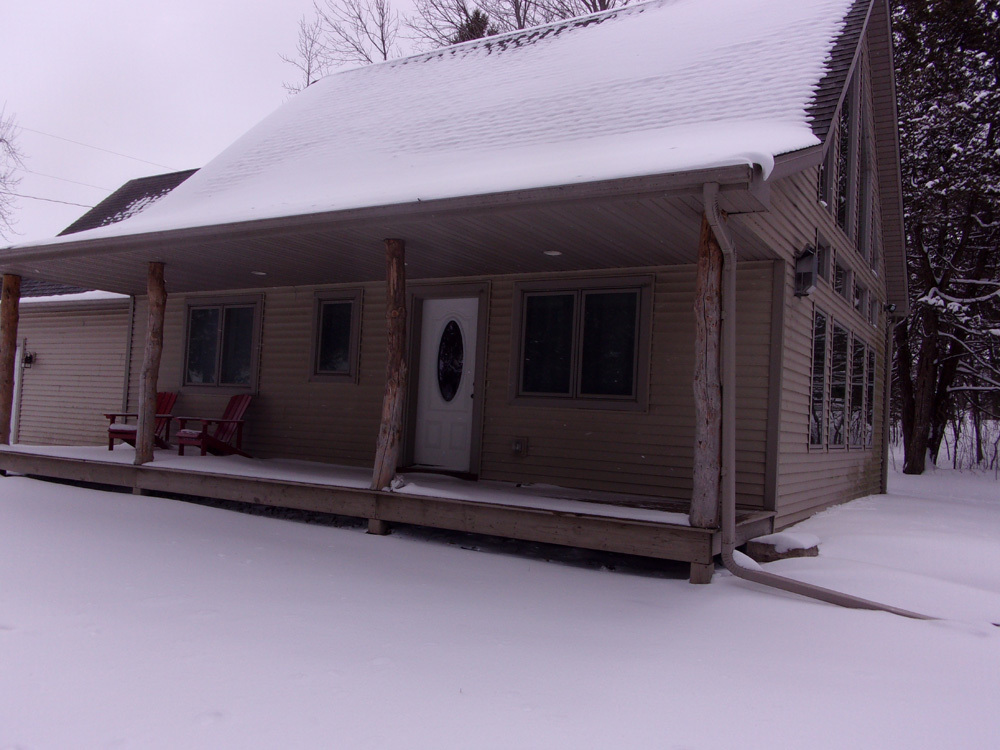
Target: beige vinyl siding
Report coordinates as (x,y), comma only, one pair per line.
(633,451)
(78,373)
(645,452)
(290,415)
(810,478)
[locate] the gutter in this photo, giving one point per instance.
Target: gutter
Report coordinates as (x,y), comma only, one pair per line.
(710,197)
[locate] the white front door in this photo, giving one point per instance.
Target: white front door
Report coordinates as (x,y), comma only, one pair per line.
(445,381)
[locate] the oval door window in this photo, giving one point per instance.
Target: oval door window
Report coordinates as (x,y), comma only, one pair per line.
(451,357)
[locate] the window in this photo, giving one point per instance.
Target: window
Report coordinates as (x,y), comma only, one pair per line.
(583,341)
(844,394)
(336,335)
(847,177)
(842,281)
(870,399)
(824,255)
(839,354)
(818,396)
(861,298)
(857,421)
(222,343)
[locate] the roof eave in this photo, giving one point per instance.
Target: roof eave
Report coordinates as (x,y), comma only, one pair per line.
(742,191)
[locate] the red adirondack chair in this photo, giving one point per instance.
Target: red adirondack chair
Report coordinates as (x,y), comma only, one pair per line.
(161,430)
(219,440)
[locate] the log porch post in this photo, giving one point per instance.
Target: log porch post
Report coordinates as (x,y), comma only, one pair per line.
(707,382)
(157,292)
(390,429)
(10,298)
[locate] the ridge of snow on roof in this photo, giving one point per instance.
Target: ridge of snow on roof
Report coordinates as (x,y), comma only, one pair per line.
(665,86)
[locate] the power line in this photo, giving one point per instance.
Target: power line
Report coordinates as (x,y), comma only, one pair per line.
(96,148)
(50,200)
(53,177)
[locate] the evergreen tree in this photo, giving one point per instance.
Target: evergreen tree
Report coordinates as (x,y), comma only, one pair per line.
(475,26)
(948,348)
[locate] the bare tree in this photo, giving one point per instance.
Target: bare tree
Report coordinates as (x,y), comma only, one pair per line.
(10,160)
(310,58)
(556,9)
(438,23)
(513,15)
(358,31)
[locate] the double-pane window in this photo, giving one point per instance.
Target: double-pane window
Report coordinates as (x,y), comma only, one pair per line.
(580,343)
(220,344)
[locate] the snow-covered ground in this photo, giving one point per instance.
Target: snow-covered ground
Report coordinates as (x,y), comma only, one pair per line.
(136,622)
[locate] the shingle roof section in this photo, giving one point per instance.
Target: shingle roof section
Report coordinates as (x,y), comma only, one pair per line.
(665,86)
(36,288)
(131,198)
(831,88)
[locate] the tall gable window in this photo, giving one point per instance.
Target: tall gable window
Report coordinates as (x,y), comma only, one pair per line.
(857,421)
(847,159)
(842,392)
(584,342)
(839,358)
(817,408)
(847,177)
(221,343)
(336,335)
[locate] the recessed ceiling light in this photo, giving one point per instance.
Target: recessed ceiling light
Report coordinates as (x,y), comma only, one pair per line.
(552,253)
(259,273)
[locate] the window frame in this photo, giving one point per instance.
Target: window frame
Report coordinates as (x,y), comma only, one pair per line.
(355,297)
(818,371)
(256,302)
(835,380)
(580,287)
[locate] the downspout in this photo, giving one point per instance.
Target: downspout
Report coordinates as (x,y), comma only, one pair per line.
(710,196)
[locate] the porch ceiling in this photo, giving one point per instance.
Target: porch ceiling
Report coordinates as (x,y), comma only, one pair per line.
(615,228)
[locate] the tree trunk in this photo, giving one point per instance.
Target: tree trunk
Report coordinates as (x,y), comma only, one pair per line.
(707,382)
(924,386)
(150,364)
(10,298)
(390,430)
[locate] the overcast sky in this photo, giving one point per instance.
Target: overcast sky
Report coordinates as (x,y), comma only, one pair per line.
(172,83)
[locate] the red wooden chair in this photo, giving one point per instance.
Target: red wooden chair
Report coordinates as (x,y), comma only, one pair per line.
(219,440)
(161,430)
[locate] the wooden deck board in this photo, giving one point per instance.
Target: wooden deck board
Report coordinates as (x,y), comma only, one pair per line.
(597,531)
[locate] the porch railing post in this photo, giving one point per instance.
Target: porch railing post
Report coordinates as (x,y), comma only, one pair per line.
(707,461)
(10,298)
(390,428)
(157,294)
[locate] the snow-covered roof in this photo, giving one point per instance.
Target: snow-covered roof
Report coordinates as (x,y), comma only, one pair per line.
(662,87)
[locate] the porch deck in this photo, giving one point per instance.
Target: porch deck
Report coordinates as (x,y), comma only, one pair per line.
(609,522)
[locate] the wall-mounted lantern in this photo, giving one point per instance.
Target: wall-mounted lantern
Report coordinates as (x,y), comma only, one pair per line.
(29,360)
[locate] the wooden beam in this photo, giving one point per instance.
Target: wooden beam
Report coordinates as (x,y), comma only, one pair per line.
(390,429)
(10,298)
(707,382)
(157,292)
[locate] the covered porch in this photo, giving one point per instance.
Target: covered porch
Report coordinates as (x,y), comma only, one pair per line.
(652,232)
(609,522)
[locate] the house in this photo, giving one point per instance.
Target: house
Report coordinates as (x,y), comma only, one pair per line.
(564,197)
